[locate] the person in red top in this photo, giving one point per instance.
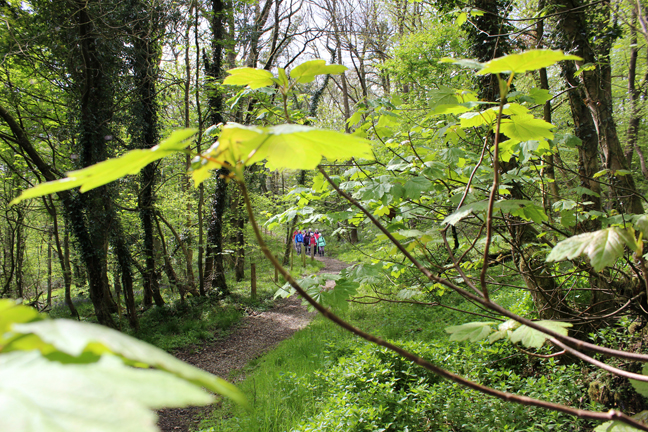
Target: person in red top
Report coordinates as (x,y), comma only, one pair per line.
(316,235)
(313,243)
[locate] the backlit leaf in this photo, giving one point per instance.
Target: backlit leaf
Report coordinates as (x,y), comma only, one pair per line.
(533,338)
(474,331)
(526,128)
(74,338)
(464,211)
(107,171)
(287,146)
(251,77)
(602,247)
(526,61)
(38,395)
(306,72)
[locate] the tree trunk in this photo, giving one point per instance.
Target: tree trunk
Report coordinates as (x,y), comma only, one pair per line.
(597,87)
(214,268)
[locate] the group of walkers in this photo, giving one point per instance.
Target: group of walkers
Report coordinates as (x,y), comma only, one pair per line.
(309,239)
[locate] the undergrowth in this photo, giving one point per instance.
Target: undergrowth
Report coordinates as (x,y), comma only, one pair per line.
(325,379)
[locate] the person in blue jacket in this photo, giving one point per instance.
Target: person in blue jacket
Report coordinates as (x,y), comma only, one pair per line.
(299,239)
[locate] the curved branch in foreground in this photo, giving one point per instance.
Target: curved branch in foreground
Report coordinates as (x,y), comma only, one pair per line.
(579,344)
(523,400)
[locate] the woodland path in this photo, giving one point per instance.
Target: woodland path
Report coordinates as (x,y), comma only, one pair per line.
(257,334)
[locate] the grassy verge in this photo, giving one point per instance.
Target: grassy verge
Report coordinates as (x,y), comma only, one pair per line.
(324,379)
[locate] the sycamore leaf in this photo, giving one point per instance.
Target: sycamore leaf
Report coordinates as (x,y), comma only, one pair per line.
(461,18)
(619,426)
(640,386)
(540,96)
(526,61)
(407,293)
(338,296)
(443,96)
(602,247)
(532,338)
(584,68)
(475,119)
(464,211)
(306,72)
(474,331)
(416,185)
(11,313)
(503,330)
(641,225)
(75,338)
(526,128)
(107,171)
(38,395)
(287,146)
(251,77)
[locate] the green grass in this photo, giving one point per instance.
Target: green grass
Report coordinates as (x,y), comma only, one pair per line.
(326,379)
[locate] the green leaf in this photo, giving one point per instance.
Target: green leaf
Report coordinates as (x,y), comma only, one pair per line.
(12,313)
(464,211)
(640,386)
(75,338)
(540,96)
(107,171)
(287,146)
(37,395)
(526,128)
(619,426)
(251,77)
(533,338)
(461,18)
(526,61)
(416,185)
(503,330)
(306,72)
(474,331)
(475,119)
(602,247)
(640,225)
(338,296)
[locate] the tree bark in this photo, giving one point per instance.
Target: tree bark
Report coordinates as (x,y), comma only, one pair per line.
(597,88)
(214,269)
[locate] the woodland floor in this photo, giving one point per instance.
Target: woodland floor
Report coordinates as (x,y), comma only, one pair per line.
(257,334)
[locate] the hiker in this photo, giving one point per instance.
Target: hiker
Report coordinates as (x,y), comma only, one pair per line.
(299,239)
(320,245)
(313,244)
(316,235)
(307,242)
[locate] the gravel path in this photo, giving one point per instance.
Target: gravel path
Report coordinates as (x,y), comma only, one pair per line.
(256,335)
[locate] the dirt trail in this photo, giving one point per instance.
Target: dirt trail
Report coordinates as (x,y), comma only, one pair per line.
(257,334)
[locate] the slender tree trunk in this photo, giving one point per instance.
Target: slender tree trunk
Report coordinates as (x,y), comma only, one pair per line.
(145,130)
(201,187)
(215,230)
(49,266)
(168,267)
